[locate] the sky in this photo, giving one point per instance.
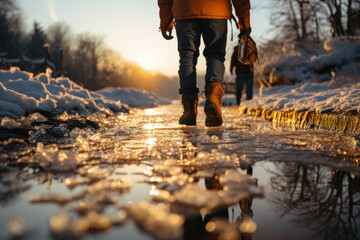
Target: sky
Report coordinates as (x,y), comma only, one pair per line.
(129,27)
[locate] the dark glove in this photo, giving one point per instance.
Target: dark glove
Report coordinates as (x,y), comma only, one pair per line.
(167,34)
(167,29)
(243,32)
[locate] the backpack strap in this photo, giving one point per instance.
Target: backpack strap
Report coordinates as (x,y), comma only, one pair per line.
(233,18)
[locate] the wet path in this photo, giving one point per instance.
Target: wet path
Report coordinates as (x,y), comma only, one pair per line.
(247,179)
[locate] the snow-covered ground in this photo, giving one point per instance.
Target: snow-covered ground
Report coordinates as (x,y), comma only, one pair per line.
(133,98)
(326,79)
(308,96)
(21,93)
(329,80)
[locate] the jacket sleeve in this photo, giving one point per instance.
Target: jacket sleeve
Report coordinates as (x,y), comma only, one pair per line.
(165,13)
(242,9)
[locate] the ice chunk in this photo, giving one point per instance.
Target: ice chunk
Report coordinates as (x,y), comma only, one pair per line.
(16,226)
(194,195)
(215,158)
(73,182)
(163,173)
(60,223)
(221,191)
(214,138)
(86,206)
(157,220)
(120,218)
(36,117)
(204,138)
(166,169)
(232,177)
(96,173)
(80,226)
(159,195)
(83,144)
(247,225)
(62,226)
(75,132)
(231,231)
(55,198)
(51,158)
(98,222)
(110,185)
(96,137)
(64,116)
(10,123)
(238,185)
(206,173)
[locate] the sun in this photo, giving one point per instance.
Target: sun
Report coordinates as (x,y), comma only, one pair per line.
(147,61)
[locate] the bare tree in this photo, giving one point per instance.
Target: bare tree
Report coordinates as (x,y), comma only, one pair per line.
(326,202)
(35,45)
(11,28)
(302,21)
(60,40)
(335,16)
(85,59)
(343,16)
(353,17)
(297,20)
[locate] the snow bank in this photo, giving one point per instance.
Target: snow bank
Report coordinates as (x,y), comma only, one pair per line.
(132,97)
(21,93)
(290,65)
(329,80)
(341,58)
(307,96)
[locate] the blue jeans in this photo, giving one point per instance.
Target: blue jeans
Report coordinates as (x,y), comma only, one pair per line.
(214,34)
(241,79)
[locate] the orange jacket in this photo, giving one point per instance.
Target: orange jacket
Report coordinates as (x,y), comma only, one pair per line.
(210,9)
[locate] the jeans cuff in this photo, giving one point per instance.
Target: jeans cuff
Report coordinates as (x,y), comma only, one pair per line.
(189,91)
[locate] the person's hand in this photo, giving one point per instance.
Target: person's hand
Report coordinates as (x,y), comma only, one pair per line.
(167,34)
(243,32)
(166,28)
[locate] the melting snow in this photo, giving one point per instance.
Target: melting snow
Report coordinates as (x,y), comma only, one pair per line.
(21,93)
(316,88)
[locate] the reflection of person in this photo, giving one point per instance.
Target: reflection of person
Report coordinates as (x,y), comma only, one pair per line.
(195,227)
(244,75)
(193,19)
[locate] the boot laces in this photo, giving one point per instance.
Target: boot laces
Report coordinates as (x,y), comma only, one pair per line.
(219,94)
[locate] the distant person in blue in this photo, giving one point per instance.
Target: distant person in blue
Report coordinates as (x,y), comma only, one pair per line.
(244,75)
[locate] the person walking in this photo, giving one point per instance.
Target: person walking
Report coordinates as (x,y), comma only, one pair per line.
(244,75)
(207,19)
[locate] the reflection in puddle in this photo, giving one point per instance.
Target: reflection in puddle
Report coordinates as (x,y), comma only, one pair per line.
(327,202)
(243,180)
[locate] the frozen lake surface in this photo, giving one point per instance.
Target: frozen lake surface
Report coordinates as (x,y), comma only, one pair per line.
(143,176)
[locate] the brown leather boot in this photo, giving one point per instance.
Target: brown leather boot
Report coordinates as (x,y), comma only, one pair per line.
(214,93)
(190,103)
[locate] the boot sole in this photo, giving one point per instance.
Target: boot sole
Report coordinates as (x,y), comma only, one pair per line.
(188,123)
(213,118)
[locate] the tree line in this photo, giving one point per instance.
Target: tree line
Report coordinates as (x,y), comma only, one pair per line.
(300,28)
(303,21)
(90,63)
(86,58)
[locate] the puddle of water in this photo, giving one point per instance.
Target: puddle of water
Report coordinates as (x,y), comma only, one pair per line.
(242,180)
